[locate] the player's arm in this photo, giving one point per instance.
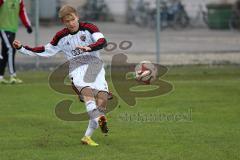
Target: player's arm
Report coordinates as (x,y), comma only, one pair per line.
(97,36)
(48,50)
(24,18)
(43,51)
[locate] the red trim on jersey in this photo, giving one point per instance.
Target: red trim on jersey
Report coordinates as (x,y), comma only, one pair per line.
(93,29)
(1,2)
(35,49)
(59,35)
(23,15)
(90,27)
(98,45)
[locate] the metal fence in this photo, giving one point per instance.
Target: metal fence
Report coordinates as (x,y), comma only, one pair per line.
(185,36)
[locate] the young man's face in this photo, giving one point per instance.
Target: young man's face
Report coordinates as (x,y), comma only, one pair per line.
(71,22)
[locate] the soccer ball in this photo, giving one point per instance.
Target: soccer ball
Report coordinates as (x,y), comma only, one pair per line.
(146,72)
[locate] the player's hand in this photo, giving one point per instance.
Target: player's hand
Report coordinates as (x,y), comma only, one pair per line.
(17,44)
(84,48)
(29,29)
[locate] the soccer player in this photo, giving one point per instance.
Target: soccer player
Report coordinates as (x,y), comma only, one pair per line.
(10,10)
(80,42)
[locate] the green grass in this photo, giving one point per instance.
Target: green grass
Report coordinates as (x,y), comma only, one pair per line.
(29,129)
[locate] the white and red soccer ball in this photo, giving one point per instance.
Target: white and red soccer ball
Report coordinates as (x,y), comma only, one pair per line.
(146,72)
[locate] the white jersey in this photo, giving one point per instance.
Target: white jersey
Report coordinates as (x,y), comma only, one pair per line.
(87,35)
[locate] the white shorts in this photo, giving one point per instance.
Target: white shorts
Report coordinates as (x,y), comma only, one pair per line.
(82,77)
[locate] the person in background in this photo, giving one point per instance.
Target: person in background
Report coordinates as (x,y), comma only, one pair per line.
(10,11)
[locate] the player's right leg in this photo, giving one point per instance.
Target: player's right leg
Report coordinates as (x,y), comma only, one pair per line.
(88,141)
(90,103)
(96,116)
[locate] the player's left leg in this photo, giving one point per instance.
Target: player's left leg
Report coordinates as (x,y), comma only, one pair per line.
(102,98)
(101,95)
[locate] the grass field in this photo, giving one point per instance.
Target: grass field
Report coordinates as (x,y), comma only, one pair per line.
(202,121)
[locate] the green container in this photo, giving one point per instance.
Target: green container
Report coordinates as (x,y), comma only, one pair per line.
(219,15)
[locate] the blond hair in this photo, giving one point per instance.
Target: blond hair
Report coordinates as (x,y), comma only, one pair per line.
(66,10)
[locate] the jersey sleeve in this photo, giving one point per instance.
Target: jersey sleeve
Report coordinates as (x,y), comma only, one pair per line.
(42,51)
(48,50)
(23,15)
(97,36)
